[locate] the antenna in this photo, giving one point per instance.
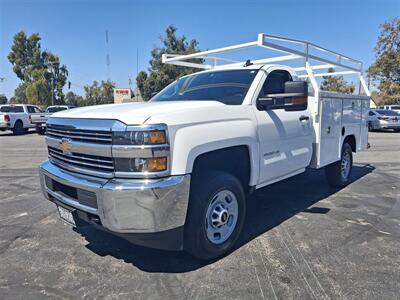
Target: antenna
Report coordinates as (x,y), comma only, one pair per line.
(107,56)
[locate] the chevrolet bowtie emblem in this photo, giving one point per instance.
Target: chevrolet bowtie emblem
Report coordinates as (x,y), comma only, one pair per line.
(65,145)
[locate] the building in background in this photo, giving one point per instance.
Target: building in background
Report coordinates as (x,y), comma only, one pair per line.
(127,95)
(122,94)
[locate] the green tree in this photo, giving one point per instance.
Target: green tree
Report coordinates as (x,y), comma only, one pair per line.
(160,75)
(57,76)
(26,55)
(31,65)
(336,84)
(96,93)
(19,94)
(3,99)
(386,68)
(38,92)
(73,99)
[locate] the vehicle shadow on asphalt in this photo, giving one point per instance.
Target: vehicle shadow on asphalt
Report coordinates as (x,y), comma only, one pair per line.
(266,209)
(9,133)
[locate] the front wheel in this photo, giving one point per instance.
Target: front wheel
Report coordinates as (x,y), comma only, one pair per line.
(216,215)
(338,173)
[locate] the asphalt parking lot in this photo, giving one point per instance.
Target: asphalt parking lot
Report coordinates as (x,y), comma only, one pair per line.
(302,240)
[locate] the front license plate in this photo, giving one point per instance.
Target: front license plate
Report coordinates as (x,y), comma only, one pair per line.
(66,215)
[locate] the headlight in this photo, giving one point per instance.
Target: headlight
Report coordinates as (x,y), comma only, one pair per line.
(142,165)
(153,137)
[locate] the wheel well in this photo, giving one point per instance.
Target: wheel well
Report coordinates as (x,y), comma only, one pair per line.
(233,160)
(19,121)
(351,140)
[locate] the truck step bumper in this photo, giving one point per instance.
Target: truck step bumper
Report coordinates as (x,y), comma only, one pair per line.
(123,206)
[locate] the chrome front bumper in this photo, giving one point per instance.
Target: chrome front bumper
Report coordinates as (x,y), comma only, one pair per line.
(124,205)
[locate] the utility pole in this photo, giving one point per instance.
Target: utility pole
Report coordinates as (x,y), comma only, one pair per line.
(107,57)
(51,69)
(137,62)
(137,71)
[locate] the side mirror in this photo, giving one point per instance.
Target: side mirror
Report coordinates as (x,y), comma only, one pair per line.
(294,98)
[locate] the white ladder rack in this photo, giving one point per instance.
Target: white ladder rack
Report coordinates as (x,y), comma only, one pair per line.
(268,41)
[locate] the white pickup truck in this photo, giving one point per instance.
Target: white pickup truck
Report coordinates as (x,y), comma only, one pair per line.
(174,173)
(40,119)
(17,117)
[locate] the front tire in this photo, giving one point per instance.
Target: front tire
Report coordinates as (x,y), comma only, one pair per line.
(338,173)
(216,214)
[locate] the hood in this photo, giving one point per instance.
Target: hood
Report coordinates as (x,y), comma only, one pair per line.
(134,113)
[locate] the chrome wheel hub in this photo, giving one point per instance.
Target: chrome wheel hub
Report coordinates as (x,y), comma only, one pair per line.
(221,216)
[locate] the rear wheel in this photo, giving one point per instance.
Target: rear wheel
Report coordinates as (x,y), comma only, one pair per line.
(18,128)
(338,173)
(370,127)
(216,215)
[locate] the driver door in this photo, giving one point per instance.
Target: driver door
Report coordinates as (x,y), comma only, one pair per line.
(285,137)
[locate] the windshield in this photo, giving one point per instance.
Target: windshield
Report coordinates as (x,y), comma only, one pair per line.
(55,109)
(386,112)
(12,109)
(228,87)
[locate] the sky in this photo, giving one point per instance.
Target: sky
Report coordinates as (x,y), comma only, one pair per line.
(75,30)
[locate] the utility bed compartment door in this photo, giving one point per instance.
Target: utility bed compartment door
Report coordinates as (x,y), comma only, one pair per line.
(340,115)
(331,121)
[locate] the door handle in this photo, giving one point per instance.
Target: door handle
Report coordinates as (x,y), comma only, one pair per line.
(304,118)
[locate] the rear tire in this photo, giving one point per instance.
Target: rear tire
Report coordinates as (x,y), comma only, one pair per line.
(338,174)
(18,128)
(216,214)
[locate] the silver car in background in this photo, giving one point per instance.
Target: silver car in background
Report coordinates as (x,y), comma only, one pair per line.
(383,119)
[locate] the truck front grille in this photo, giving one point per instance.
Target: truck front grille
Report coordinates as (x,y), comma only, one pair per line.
(103,166)
(80,135)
